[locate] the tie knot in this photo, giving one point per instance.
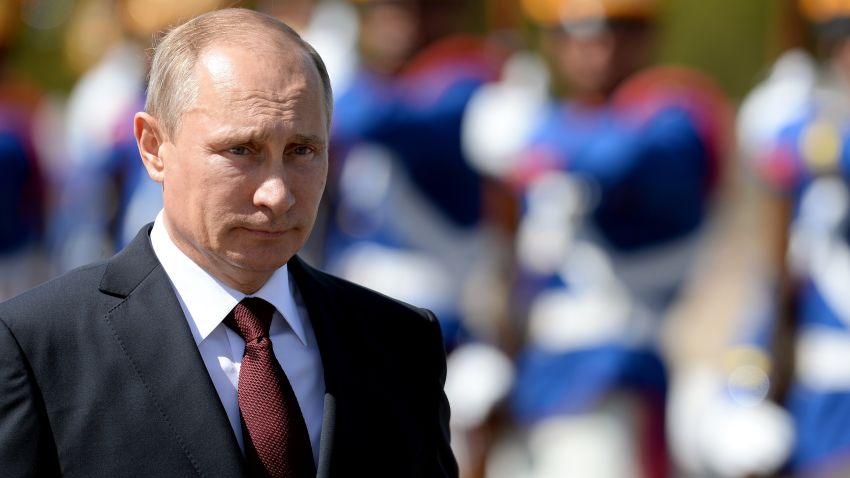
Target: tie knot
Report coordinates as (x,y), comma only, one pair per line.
(251,318)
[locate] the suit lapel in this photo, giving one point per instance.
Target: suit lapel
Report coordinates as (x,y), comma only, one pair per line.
(152,331)
(324,316)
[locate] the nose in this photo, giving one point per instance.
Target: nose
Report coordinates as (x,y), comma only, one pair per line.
(274,193)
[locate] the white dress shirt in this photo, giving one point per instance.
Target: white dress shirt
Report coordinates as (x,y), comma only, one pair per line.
(206,302)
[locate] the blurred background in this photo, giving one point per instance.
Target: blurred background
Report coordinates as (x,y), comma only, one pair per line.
(630,216)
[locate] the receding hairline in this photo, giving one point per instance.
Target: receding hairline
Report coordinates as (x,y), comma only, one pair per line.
(269,28)
(255,42)
(232,26)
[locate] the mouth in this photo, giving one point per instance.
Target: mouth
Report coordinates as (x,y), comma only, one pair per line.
(264,233)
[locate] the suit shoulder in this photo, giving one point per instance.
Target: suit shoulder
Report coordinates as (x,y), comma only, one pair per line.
(350,292)
(64,293)
(358,297)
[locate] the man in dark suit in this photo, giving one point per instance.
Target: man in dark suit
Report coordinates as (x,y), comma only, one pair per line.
(206,347)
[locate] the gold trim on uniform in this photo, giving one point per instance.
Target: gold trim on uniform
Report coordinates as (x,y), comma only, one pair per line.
(820,146)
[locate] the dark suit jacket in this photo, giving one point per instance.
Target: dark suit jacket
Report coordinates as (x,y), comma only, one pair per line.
(100,376)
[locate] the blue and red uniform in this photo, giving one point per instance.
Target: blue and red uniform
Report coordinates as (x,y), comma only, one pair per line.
(810,164)
(401,184)
(641,169)
(23,198)
(106,199)
(22,188)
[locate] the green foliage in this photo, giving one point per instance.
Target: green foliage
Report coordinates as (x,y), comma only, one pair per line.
(728,39)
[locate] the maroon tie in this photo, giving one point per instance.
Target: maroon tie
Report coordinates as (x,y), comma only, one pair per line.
(276,442)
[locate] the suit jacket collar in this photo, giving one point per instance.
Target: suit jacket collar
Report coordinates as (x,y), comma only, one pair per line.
(154,335)
(155,338)
(315,290)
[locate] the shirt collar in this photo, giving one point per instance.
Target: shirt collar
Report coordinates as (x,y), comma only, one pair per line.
(206,299)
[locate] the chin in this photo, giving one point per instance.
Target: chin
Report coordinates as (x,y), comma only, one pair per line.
(261,262)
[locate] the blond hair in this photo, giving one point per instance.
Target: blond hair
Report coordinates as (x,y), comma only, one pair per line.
(172,86)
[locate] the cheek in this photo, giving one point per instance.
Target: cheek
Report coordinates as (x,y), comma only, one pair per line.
(219,184)
(202,194)
(221,197)
(181,174)
(314,184)
(308,171)
(321,179)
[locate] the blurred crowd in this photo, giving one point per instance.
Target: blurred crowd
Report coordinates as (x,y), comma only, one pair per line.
(636,273)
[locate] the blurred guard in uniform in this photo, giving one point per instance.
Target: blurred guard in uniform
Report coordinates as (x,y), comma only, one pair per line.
(22,182)
(405,206)
(803,162)
(615,183)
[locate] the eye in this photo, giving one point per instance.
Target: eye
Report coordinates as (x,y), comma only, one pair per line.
(239,150)
(302,150)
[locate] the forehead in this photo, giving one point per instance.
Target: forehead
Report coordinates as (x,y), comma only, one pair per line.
(252,63)
(257,73)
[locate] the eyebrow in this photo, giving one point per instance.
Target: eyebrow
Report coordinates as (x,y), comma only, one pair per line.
(308,138)
(252,134)
(238,134)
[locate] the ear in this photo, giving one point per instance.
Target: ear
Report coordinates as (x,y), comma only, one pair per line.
(150,141)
